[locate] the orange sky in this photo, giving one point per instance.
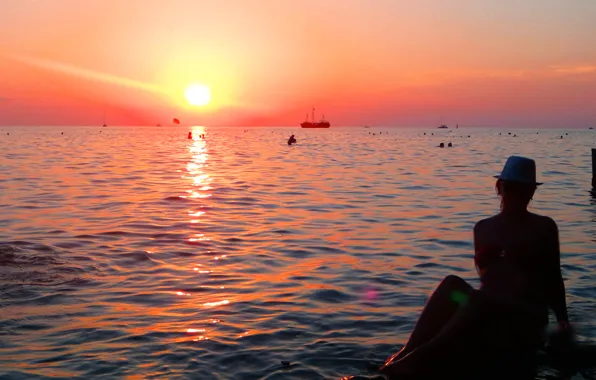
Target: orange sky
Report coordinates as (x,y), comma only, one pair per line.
(378,62)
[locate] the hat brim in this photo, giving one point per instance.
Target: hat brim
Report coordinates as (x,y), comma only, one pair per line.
(529,183)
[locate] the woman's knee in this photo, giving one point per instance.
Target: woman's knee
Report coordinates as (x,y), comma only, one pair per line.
(454,280)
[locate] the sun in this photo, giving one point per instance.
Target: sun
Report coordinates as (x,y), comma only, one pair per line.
(198,95)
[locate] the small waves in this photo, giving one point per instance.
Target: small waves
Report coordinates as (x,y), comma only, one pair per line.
(26,263)
(219,259)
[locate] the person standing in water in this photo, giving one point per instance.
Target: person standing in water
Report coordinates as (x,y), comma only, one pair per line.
(517,257)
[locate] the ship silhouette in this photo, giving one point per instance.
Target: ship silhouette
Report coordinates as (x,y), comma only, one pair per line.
(315,124)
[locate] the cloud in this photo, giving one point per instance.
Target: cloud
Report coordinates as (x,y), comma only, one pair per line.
(585,69)
(574,70)
(86,73)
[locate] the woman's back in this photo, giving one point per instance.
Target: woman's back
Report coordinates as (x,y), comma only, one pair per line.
(514,256)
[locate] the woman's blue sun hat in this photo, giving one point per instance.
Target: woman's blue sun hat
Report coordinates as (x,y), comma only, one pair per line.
(519,169)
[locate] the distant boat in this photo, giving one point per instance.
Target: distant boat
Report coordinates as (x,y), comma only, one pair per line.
(443,126)
(315,124)
(591,128)
(366,126)
(104,119)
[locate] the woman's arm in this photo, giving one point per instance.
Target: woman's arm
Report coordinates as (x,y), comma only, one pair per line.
(476,250)
(556,287)
(482,251)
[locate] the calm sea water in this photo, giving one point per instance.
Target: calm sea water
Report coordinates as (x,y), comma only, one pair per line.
(137,253)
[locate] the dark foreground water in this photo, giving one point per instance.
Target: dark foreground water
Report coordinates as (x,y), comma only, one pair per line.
(137,253)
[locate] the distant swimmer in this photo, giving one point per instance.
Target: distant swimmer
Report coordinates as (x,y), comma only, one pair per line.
(449,145)
(189,135)
(441,145)
(292,140)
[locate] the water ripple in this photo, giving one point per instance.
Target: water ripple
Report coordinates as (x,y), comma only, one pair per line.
(137,253)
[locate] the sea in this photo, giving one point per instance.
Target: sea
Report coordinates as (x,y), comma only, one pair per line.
(137,253)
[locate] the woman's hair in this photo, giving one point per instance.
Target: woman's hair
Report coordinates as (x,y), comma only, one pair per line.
(515,192)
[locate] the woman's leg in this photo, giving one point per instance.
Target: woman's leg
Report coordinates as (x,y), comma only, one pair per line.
(449,349)
(451,293)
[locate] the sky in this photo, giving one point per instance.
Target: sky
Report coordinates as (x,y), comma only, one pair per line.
(476,63)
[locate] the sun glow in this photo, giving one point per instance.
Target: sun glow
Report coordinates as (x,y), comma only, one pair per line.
(198,95)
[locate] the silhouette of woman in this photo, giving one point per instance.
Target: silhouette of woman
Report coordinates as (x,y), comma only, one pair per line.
(463,330)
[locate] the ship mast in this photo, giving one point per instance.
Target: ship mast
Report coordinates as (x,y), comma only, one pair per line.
(313,114)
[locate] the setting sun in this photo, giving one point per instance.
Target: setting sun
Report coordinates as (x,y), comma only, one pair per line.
(198,95)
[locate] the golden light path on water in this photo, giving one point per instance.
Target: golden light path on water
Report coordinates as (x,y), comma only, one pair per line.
(199,179)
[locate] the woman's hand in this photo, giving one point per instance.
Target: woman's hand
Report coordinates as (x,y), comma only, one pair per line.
(563,325)
(563,337)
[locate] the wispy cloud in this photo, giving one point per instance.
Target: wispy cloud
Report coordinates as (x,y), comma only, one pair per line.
(543,72)
(577,70)
(86,73)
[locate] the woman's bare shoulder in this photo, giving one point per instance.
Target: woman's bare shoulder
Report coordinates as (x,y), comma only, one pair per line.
(545,222)
(483,224)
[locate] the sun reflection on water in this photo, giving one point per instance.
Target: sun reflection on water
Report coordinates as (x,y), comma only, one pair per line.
(195,330)
(199,180)
(215,304)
